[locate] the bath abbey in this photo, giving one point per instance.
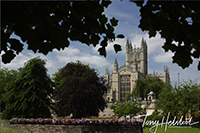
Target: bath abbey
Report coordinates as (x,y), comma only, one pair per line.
(122,80)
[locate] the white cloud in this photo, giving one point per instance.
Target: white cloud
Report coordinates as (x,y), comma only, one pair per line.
(154,44)
(110,46)
(128,14)
(74,54)
(95,60)
(163,57)
(121,42)
(17,62)
(23,57)
(70,51)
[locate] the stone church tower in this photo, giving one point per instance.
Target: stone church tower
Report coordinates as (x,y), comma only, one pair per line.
(122,79)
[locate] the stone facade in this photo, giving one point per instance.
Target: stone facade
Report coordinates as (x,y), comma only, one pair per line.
(36,128)
(122,79)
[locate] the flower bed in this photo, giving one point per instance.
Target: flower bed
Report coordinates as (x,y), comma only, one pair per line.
(93,117)
(73,121)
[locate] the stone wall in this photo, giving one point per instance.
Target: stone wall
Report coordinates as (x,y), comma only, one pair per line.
(37,128)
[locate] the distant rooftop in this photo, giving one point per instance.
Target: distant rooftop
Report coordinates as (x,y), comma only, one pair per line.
(151,93)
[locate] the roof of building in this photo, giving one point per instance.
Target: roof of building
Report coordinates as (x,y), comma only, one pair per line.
(151,93)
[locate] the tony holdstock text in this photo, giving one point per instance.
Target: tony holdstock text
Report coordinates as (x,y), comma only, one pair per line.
(168,122)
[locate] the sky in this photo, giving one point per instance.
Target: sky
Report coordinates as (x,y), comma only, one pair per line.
(129,16)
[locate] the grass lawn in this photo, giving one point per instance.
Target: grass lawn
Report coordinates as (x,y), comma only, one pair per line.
(8,130)
(193,129)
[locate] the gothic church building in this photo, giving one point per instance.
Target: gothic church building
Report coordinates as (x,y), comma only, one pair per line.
(122,79)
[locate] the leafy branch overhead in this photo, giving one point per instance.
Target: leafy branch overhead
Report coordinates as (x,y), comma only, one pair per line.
(45,26)
(178,23)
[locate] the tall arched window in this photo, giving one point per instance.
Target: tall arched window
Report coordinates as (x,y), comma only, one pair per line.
(125,86)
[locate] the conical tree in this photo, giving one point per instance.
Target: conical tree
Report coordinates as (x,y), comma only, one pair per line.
(29,95)
(79,91)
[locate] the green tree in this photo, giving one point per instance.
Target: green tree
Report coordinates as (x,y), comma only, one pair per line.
(79,91)
(169,101)
(126,108)
(45,26)
(189,97)
(6,78)
(144,86)
(176,22)
(29,95)
(179,100)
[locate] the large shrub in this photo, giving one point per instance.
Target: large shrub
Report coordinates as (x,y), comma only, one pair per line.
(79,91)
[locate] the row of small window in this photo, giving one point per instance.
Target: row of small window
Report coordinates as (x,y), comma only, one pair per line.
(122,99)
(125,76)
(125,89)
(123,94)
(125,84)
